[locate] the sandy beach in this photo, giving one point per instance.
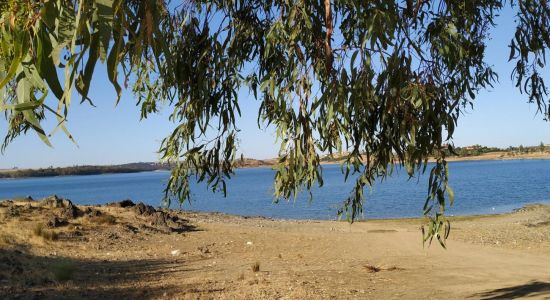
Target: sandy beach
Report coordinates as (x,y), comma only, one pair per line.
(52,249)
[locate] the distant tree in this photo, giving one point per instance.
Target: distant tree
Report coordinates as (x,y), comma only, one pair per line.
(541,147)
(384,81)
(521,149)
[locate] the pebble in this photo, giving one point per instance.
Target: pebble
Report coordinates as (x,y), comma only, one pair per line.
(249,243)
(176,252)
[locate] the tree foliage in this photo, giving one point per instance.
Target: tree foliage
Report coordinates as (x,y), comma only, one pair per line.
(384,81)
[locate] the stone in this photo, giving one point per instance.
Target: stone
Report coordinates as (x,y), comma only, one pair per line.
(93,212)
(123,203)
(144,210)
(54,222)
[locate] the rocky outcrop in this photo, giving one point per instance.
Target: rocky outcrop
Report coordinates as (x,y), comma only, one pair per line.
(66,208)
(160,219)
(144,210)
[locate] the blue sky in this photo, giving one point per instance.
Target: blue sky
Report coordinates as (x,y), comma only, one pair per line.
(110,135)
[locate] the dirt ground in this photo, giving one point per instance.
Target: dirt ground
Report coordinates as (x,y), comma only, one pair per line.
(51,249)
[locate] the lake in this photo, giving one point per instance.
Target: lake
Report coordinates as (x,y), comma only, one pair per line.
(481,187)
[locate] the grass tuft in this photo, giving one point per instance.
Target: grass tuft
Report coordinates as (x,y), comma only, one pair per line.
(40,231)
(256,267)
(104,219)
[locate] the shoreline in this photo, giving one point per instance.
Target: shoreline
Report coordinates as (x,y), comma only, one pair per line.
(493,156)
(520,207)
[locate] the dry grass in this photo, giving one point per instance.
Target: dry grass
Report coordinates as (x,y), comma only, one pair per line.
(40,231)
(256,267)
(7,239)
(104,219)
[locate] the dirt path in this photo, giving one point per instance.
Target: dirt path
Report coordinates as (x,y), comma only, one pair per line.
(134,256)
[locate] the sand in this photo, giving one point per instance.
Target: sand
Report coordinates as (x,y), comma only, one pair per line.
(119,253)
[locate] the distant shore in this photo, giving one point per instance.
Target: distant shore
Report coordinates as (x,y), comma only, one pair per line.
(245,164)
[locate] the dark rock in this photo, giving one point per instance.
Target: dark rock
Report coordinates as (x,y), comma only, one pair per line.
(70,212)
(159,219)
(144,210)
(123,203)
(56,222)
(93,212)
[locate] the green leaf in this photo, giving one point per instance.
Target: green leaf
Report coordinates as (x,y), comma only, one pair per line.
(45,64)
(105,22)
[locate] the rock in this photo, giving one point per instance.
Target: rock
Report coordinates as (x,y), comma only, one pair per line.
(68,209)
(175,252)
(70,212)
(249,243)
(123,203)
(159,219)
(93,212)
(56,222)
(55,202)
(144,210)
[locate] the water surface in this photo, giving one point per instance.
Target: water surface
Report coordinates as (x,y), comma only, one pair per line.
(480,187)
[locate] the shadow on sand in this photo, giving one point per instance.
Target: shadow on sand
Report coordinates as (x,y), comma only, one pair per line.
(532,289)
(26,276)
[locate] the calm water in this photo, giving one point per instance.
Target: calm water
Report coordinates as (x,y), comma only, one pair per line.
(480,187)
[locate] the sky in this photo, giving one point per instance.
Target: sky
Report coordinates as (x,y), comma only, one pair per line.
(106,134)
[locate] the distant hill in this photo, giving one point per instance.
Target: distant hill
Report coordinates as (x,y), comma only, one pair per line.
(475,152)
(113,169)
(85,170)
